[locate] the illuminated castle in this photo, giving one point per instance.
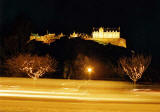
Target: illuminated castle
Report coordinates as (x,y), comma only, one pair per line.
(101,35)
(48,38)
(82,35)
(108,36)
(74,34)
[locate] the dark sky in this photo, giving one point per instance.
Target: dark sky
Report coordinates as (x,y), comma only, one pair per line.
(139,19)
(79,13)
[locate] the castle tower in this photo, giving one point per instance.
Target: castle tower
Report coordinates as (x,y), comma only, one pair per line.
(101,33)
(107,36)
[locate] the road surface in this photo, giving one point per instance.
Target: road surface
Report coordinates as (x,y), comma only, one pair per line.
(53,95)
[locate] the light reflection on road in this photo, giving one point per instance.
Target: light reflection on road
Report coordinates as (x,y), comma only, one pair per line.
(35,94)
(20,89)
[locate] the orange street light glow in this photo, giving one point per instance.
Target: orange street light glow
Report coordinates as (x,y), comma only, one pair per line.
(89,70)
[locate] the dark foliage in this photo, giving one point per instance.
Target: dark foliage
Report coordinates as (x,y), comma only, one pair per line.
(66,51)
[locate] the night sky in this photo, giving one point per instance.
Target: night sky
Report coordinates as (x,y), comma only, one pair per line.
(138,19)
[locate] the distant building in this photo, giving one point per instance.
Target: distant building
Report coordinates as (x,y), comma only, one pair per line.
(101,35)
(74,34)
(108,36)
(82,35)
(48,38)
(108,33)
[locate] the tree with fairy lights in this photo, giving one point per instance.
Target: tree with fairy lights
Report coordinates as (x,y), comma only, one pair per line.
(34,66)
(135,66)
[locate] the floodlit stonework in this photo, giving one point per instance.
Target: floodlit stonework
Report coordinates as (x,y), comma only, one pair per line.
(108,36)
(102,36)
(48,38)
(74,34)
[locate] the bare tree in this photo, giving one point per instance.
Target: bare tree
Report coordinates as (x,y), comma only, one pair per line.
(35,66)
(135,66)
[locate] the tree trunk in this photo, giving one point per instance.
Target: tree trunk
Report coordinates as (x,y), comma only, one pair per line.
(134,84)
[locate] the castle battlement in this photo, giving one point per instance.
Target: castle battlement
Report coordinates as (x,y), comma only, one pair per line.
(108,33)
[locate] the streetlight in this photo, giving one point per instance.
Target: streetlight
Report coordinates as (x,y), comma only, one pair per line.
(89,70)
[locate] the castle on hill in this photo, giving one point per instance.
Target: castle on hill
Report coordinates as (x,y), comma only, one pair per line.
(48,38)
(101,35)
(108,36)
(106,33)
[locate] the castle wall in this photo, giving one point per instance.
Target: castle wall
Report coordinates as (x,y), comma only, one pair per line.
(114,41)
(97,34)
(45,39)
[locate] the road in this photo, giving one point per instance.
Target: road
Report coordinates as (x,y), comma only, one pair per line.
(55,95)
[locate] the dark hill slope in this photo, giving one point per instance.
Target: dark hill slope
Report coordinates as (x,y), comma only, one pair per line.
(70,51)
